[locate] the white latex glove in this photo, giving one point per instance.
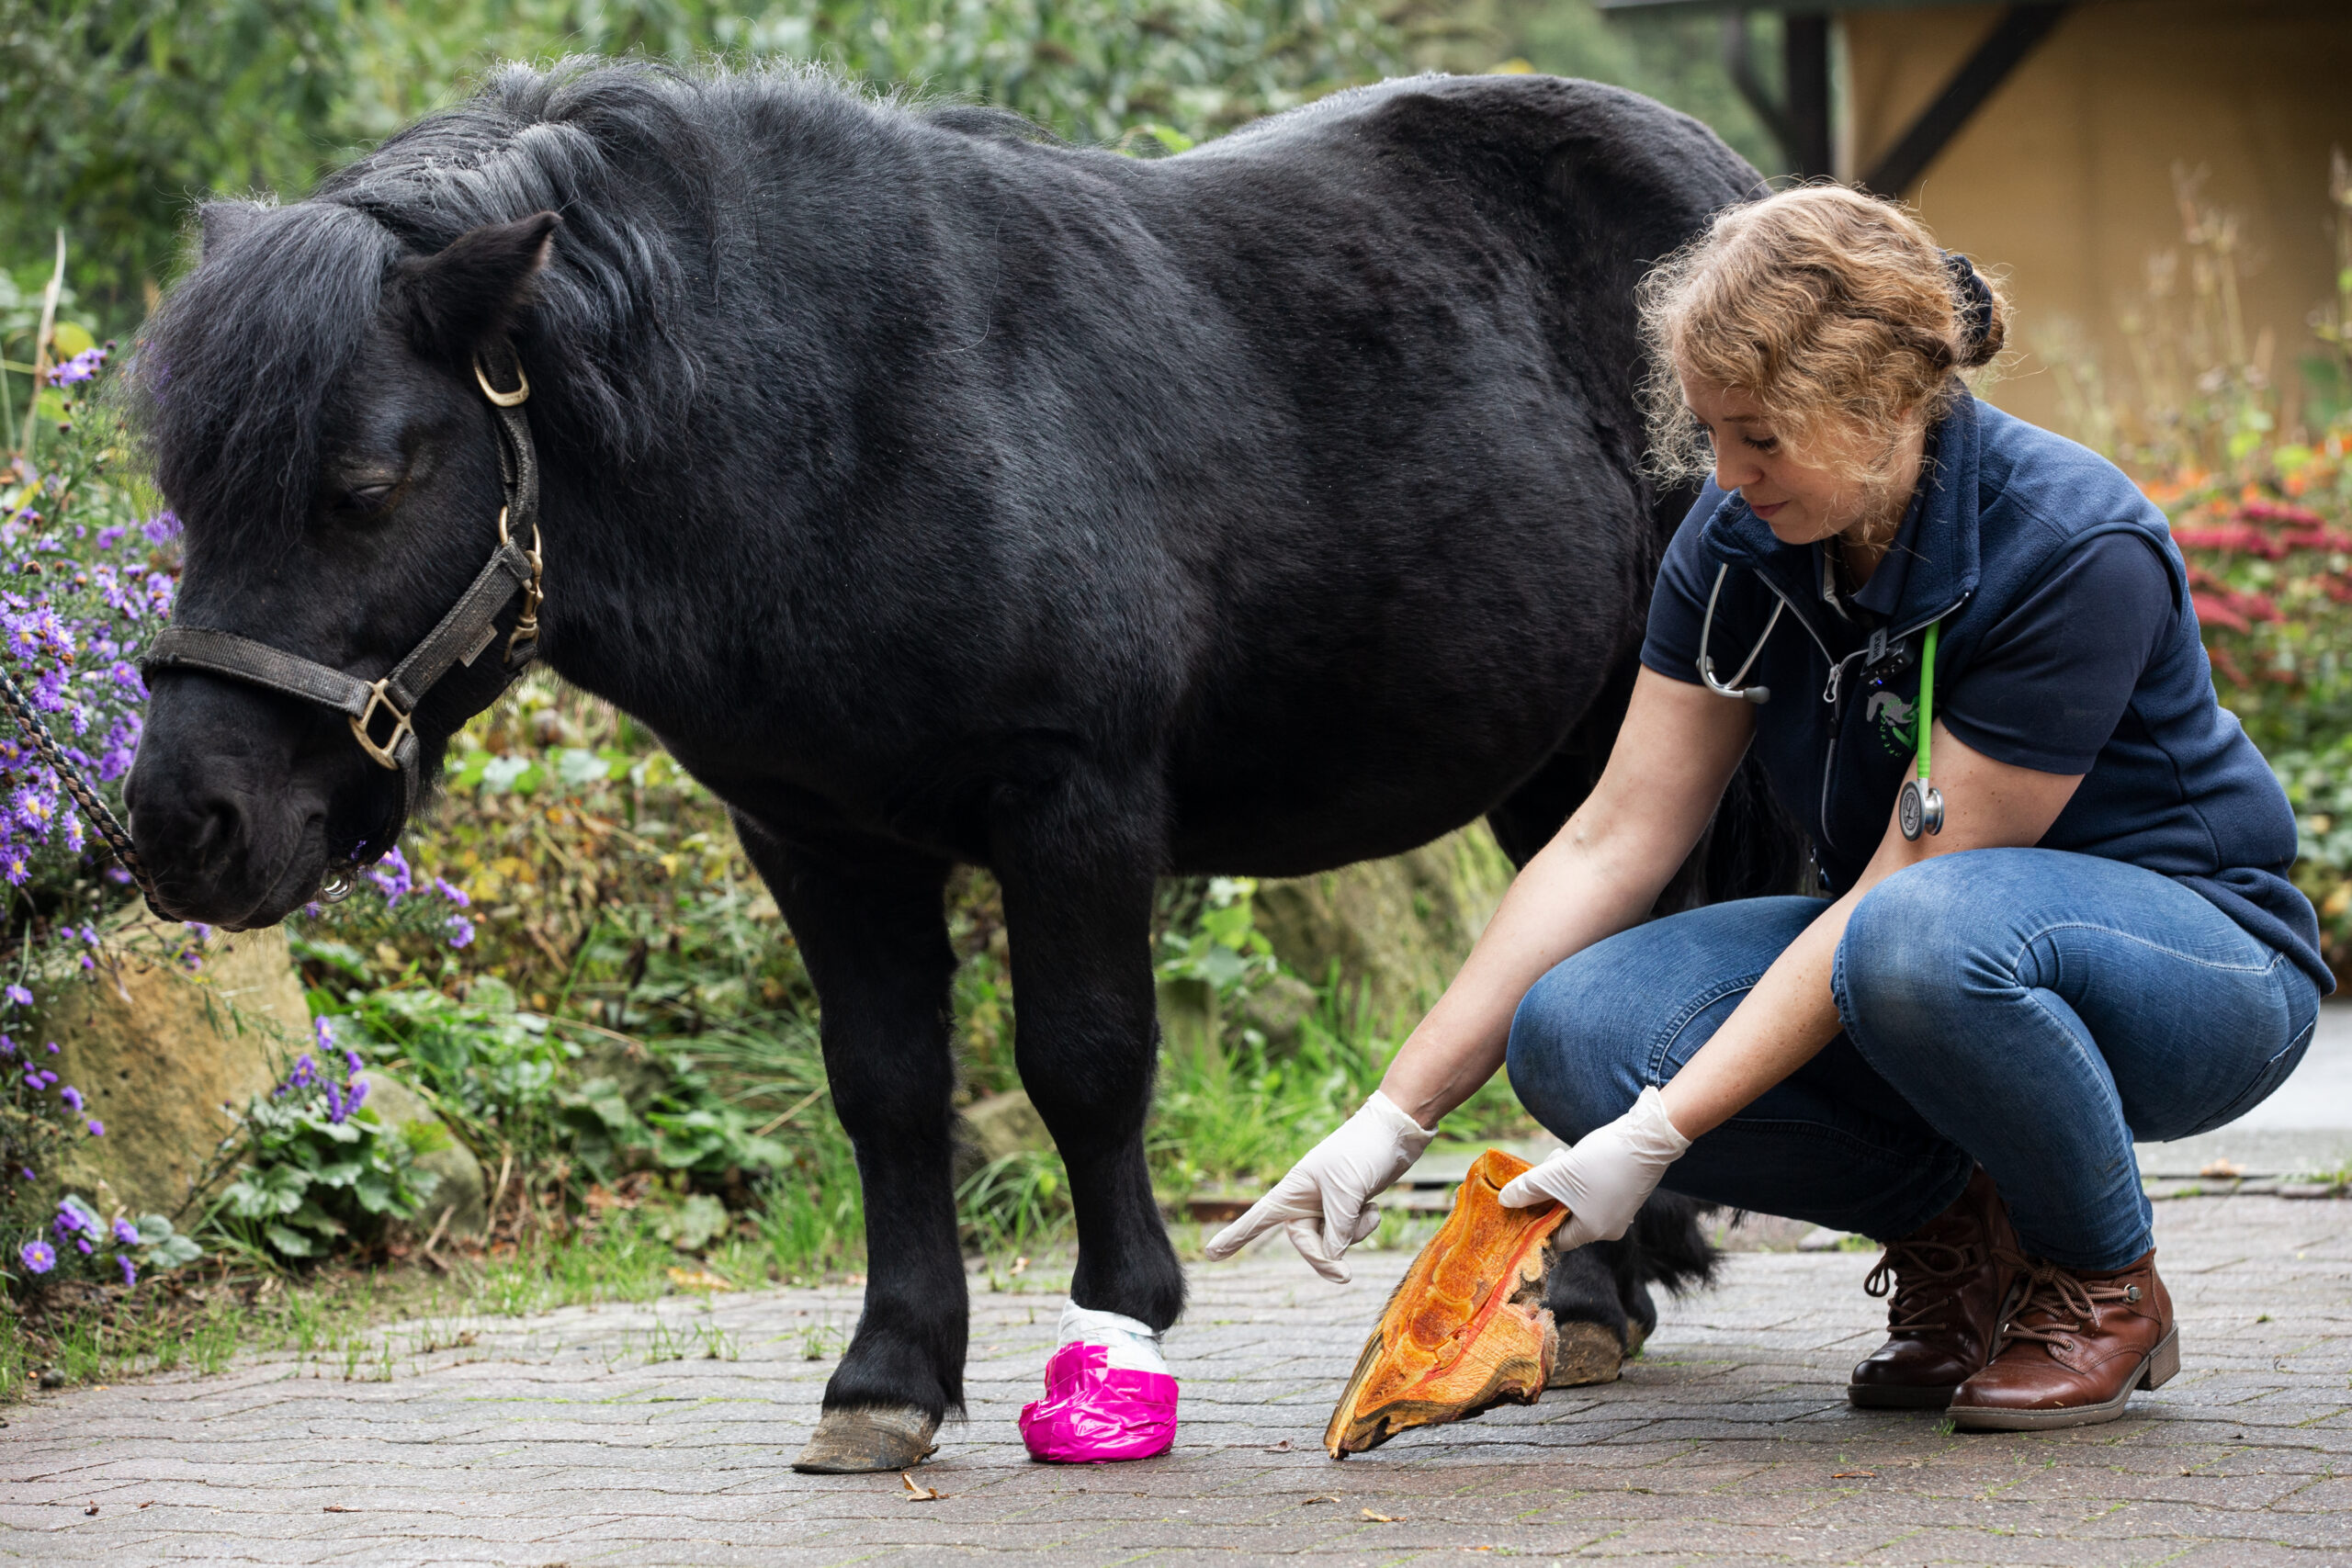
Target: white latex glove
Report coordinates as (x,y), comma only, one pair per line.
(1604,1180)
(1326,1200)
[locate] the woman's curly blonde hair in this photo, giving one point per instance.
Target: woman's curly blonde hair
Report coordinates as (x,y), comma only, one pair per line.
(1836,312)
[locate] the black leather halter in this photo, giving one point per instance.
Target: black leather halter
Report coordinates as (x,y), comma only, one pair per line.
(460,638)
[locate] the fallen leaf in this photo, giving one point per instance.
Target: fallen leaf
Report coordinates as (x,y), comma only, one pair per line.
(696,1280)
(146,1504)
(1310,1501)
(2222,1169)
(1854,1475)
(1281,1448)
(339,1508)
(1019,1267)
(920,1493)
(1381,1518)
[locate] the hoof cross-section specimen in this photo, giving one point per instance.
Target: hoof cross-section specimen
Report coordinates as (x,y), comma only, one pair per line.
(1467,1329)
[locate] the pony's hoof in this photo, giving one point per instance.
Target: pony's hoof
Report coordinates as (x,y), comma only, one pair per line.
(878,1437)
(1589,1353)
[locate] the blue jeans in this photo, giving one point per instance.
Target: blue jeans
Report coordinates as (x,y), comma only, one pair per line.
(2029,1010)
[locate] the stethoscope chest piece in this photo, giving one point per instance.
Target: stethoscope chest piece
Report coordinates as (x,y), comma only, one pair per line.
(1919,809)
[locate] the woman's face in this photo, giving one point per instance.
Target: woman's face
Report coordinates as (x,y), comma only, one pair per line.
(1798,501)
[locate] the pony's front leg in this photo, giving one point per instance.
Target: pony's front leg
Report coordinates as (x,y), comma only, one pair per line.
(1077,873)
(871,929)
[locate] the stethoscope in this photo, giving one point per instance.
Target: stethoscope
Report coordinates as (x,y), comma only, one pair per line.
(1920,807)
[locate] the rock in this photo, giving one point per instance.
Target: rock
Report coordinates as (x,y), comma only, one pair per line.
(158,1050)
(1277,1010)
(462,1191)
(998,1125)
(1398,928)
(1192,1021)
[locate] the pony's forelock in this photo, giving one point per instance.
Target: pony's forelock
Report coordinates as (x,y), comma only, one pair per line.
(226,383)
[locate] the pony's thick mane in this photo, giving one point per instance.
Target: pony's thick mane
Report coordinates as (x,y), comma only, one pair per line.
(639,159)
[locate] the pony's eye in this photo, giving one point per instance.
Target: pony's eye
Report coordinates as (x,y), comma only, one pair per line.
(368,497)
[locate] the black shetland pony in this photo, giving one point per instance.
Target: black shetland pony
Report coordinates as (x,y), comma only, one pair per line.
(939,493)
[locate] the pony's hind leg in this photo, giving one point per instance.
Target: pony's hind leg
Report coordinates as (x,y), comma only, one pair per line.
(1078,892)
(872,931)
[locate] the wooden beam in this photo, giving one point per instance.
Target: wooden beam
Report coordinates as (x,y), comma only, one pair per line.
(1801,122)
(1804,58)
(2014,36)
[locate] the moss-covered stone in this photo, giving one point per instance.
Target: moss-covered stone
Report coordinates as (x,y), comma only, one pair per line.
(461,1189)
(162,1053)
(1396,928)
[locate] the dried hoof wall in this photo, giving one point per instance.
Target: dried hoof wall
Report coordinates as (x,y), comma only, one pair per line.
(852,1442)
(1467,1329)
(1588,1353)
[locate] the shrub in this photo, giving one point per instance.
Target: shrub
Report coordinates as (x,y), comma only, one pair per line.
(316,1164)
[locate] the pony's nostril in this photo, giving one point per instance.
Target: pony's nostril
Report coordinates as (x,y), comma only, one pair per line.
(220,827)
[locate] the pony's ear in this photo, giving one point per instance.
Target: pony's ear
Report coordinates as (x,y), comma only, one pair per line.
(458,300)
(220,222)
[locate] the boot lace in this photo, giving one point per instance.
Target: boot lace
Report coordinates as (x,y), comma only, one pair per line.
(1914,1272)
(2056,1304)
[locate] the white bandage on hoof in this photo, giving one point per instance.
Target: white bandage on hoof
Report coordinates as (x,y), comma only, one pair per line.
(1133,1344)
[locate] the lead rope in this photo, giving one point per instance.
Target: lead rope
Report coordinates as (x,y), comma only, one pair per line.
(95,809)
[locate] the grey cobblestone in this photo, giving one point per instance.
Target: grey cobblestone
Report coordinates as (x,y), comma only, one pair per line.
(566,1439)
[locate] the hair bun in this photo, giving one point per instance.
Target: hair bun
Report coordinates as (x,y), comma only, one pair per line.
(1978,315)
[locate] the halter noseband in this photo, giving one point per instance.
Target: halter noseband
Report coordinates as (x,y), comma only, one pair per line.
(460,638)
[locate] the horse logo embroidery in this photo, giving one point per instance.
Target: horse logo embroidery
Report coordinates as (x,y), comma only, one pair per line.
(1894,719)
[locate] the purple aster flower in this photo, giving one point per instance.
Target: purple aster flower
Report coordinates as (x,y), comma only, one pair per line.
(305,1073)
(164,526)
(81,1244)
(125,1233)
(461,930)
(322,1033)
(352,1061)
(392,877)
(38,1256)
(19,995)
(108,537)
(358,1097)
(79,368)
(72,1097)
(456,894)
(336,1109)
(97,1129)
(130,1269)
(52,1048)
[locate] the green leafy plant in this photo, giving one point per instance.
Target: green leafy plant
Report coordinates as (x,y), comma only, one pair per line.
(317,1167)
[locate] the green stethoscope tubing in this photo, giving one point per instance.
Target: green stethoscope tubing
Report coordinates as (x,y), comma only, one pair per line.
(1920,808)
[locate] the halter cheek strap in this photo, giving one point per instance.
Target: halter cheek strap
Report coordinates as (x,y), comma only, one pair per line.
(460,638)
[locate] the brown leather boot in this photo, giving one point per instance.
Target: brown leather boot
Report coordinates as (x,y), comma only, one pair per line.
(1947,1282)
(2072,1350)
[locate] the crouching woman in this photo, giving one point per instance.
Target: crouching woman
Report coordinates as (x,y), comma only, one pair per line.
(2054,915)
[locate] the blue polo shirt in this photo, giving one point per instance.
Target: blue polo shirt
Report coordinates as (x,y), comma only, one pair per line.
(2067,645)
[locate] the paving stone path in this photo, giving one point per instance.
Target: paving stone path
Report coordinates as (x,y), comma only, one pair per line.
(662,1435)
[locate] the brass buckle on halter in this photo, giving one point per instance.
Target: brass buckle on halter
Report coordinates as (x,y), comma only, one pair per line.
(377,698)
(526,624)
(515,399)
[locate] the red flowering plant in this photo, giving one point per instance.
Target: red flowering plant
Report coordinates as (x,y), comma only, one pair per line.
(2269,553)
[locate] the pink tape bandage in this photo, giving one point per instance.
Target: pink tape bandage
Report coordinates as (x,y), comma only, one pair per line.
(1094,1412)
